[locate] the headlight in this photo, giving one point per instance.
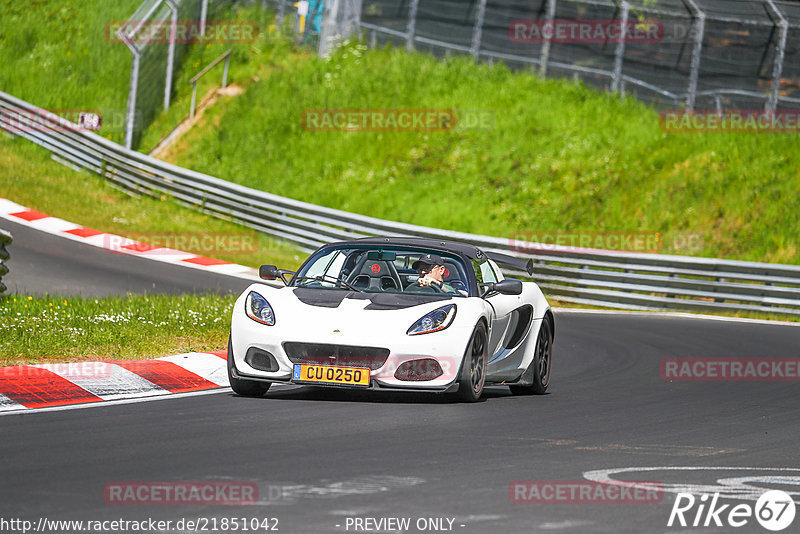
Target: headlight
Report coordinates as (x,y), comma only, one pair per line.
(438,319)
(258,309)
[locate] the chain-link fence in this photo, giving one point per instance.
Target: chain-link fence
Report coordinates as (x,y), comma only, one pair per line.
(158,35)
(701,54)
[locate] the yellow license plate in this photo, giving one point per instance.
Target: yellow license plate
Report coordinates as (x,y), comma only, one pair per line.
(329,374)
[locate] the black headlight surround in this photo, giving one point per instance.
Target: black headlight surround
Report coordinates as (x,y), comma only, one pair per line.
(438,323)
(256,313)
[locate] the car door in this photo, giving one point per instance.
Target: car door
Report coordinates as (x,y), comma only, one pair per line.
(486,271)
(507,312)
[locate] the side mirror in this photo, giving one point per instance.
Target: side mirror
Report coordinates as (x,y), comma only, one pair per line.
(268,272)
(509,286)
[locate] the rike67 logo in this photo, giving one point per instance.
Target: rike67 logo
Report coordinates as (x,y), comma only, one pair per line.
(774,510)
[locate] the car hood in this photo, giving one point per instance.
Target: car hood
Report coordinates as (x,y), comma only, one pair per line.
(326,298)
(355,318)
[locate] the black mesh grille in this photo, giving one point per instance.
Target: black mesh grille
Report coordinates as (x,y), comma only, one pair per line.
(344,355)
(262,360)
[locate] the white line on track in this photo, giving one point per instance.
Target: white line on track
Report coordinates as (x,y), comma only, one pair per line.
(678,315)
(166,396)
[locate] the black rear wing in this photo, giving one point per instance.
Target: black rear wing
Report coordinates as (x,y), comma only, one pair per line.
(512,261)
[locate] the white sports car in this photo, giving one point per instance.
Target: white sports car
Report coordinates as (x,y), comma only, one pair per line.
(359,314)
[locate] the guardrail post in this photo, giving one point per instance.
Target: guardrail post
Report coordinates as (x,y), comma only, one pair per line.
(620,52)
(412,25)
(171,51)
(698,32)
(477,32)
(545,55)
(780,53)
(5,239)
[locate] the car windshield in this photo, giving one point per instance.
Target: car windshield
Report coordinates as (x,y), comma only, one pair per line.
(381,270)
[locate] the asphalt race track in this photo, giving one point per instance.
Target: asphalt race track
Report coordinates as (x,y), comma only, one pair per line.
(44,263)
(322,458)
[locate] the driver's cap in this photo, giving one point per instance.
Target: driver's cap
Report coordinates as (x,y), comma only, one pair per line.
(428,259)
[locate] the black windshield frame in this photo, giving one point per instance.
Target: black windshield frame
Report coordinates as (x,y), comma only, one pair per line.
(353,249)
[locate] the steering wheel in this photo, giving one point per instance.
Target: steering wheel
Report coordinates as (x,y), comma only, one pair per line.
(435,288)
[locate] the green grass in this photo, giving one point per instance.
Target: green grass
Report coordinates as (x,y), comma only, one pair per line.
(53,328)
(249,61)
(56,55)
(29,177)
(559,156)
(40,329)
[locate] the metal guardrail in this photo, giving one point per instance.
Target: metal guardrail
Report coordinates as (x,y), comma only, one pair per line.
(5,239)
(586,276)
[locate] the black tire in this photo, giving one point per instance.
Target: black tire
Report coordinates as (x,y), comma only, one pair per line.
(473,368)
(240,386)
(538,373)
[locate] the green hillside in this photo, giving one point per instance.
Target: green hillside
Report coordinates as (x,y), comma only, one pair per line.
(552,156)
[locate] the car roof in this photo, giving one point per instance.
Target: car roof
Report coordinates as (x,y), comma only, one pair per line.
(464,249)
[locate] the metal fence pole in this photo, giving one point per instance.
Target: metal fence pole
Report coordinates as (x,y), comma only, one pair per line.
(130,114)
(620,53)
(477,32)
(203,16)
(545,56)
(330,30)
(281,11)
(194,100)
(412,25)
(698,31)
(780,54)
(171,51)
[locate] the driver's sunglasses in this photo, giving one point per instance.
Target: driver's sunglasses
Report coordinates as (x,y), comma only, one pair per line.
(427,269)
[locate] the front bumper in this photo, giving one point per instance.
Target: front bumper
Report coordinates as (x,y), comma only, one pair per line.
(374,386)
(446,348)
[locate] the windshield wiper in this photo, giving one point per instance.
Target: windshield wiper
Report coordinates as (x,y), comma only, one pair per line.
(328,278)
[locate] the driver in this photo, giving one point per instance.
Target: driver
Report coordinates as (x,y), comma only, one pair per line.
(431,273)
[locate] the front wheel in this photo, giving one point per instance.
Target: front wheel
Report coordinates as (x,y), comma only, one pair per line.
(240,386)
(473,369)
(538,374)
